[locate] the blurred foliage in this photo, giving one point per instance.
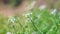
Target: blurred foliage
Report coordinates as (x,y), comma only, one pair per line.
(38,22)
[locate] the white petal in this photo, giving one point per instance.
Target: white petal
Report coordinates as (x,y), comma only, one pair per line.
(53,11)
(42,7)
(27,14)
(11,19)
(8,33)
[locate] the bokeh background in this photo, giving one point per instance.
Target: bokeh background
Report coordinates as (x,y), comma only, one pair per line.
(29,16)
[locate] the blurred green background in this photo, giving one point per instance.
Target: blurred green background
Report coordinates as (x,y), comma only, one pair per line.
(36,21)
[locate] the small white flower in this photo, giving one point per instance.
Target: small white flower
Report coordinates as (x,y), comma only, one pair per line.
(42,7)
(11,19)
(53,11)
(27,14)
(8,33)
(34,32)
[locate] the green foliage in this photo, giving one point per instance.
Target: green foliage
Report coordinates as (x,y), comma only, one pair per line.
(38,22)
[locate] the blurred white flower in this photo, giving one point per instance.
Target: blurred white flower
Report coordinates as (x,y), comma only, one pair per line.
(11,19)
(42,7)
(34,32)
(8,33)
(31,5)
(53,11)
(27,14)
